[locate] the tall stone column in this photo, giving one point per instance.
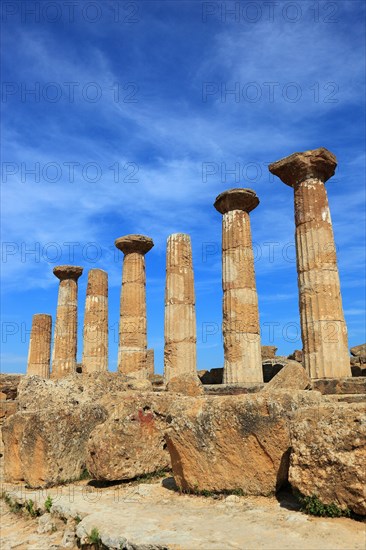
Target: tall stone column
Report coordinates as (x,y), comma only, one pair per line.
(95,351)
(323,328)
(180,312)
(132,326)
(39,353)
(65,339)
(241,331)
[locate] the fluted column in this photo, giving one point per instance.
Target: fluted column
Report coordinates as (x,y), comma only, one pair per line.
(39,353)
(323,328)
(132,327)
(65,339)
(241,331)
(180,312)
(95,351)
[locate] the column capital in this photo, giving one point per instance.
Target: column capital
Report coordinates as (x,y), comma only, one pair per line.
(42,316)
(316,163)
(236,199)
(63,272)
(134,243)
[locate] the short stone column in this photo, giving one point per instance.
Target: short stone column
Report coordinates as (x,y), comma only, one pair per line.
(132,326)
(323,328)
(241,330)
(150,361)
(65,338)
(180,312)
(95,350)
(39,353)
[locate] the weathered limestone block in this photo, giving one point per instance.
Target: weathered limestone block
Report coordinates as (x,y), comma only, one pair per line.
(358,360)
(132,327)
(268,352)
(328,386)
(65,338)
(157,380)
(36,394)
(9,384)
(359,351)
(233,442)
(131,442)
(7,408)
(48,446)
(185,384)
(180,312)
(296,355)
(45,442)
(328,456)
(323,328)
(39,354)
(227,389)
(242,348)
(292,376)
(95,351)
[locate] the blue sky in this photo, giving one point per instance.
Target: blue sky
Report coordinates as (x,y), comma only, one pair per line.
(130,117)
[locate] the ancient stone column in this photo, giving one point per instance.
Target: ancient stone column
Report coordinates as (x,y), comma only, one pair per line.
(150,362)
(132,326)
(180,312)
(241,331)
(65,338)
(323,329)
(39,353)
(95,351)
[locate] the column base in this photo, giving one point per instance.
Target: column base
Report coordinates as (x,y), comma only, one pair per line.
(243,360)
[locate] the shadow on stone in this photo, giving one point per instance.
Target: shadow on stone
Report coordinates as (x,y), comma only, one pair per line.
(287,500)
(169,483)
(103,483)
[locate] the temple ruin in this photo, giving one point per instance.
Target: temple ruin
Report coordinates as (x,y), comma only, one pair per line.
(324,331)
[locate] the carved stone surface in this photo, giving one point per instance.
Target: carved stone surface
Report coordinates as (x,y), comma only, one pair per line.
(95,351)
(39,353)
(242,349)
(323,328)
(180,313)
(65,338)
(132,327)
